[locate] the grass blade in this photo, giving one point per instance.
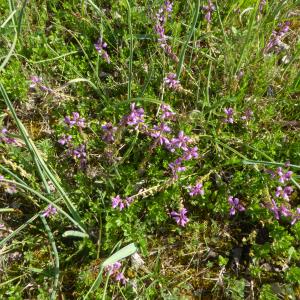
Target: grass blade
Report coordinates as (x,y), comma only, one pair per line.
(56,257)
(188,38)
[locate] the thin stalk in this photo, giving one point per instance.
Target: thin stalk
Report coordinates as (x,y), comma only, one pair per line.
(131,51)
(190,35)
(56,257)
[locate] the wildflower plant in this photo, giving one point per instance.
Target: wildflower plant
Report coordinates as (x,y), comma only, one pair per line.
(178,146)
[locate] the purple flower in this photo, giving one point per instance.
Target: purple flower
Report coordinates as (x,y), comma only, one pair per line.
(180,217)
(190,153)
(4,138)
(34,81)
(114,271)
(161,18)
(75,120)
(101,46)
(158,133)
(65,140)
(50,211)
(296,216)
(167,113)
(209,9)
(262,5)
(229,115)
(121,278)
(235,205)
(114,268)
(109,131)
(171,82)
(180,142)
(79,152)
(284,211)
(284,176)
(274,208)
(276,37)
(135,117)
(1,177)
(37,82)
(247,115)
(117,201)
(168,6)
(284,192)
(176,167)
(196,190)
(279,211)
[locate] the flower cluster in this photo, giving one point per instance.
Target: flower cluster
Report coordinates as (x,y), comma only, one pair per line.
(114,271)
(74,120)
(284,211)
(283,176)
(196,190)
(229,115)
(65,140)
(161,134)
(50,211)
(171,82)
(167,113)
(101,46)
(283,193)
(117,201)
(275,41)
(109,131)
(235,205)
(209,9)
(135,117)
(76,152)
(4,138)
(177,167)
(247,115)
(181,142)
(36,82)
(180,217)
(158,133)
(79,153)
(161,18)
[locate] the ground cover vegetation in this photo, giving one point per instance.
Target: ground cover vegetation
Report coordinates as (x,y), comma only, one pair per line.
(149,149)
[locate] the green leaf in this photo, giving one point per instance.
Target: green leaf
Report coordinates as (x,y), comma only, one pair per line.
(74,233)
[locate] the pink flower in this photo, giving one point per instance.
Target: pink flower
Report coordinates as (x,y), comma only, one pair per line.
(114,271)
(235,205)
(284,192)
(180,217)
(101,46)
(196,190)
(171,81)
(117,201)
(296,216)
(229,113)
(166,112)
(190,153)
(50,211)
